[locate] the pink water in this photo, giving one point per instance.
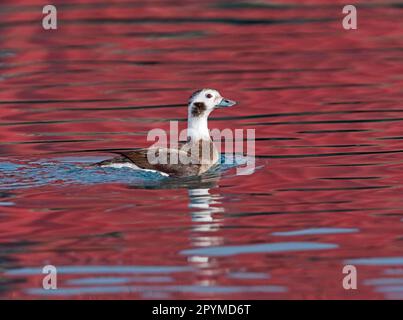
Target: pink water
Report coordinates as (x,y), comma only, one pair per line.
(326,105)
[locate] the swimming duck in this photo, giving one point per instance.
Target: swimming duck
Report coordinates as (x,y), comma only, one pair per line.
(194,157)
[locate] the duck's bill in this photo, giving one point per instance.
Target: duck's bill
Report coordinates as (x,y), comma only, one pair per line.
(224,103)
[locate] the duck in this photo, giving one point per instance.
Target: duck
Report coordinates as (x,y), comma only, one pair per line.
(193,158)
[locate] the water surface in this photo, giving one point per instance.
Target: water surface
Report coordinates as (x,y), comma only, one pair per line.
(326,105)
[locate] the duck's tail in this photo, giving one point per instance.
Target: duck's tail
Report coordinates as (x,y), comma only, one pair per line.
(108,162)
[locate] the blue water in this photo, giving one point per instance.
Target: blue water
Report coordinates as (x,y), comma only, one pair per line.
(197,289)
(78,170)
(221,251)
(315,231)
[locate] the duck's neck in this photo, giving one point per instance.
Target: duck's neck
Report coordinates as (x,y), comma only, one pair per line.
(197,128)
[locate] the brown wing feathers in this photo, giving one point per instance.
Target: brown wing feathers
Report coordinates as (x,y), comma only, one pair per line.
(139,158)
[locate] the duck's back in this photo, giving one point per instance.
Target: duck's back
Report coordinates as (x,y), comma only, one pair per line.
(193,158)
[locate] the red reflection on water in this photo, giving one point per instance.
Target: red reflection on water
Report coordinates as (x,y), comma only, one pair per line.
(325,104)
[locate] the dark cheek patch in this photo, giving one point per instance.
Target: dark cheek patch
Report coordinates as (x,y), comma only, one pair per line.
(198,109)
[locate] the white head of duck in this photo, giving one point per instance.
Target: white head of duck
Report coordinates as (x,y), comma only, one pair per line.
(201,104)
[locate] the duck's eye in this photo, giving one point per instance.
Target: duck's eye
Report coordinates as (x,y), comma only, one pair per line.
(208,95)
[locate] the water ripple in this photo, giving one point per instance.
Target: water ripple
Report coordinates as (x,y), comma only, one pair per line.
(224,251)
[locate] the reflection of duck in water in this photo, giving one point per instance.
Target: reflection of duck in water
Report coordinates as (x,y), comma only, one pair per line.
(194,157)
(203,206)
(200,200)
